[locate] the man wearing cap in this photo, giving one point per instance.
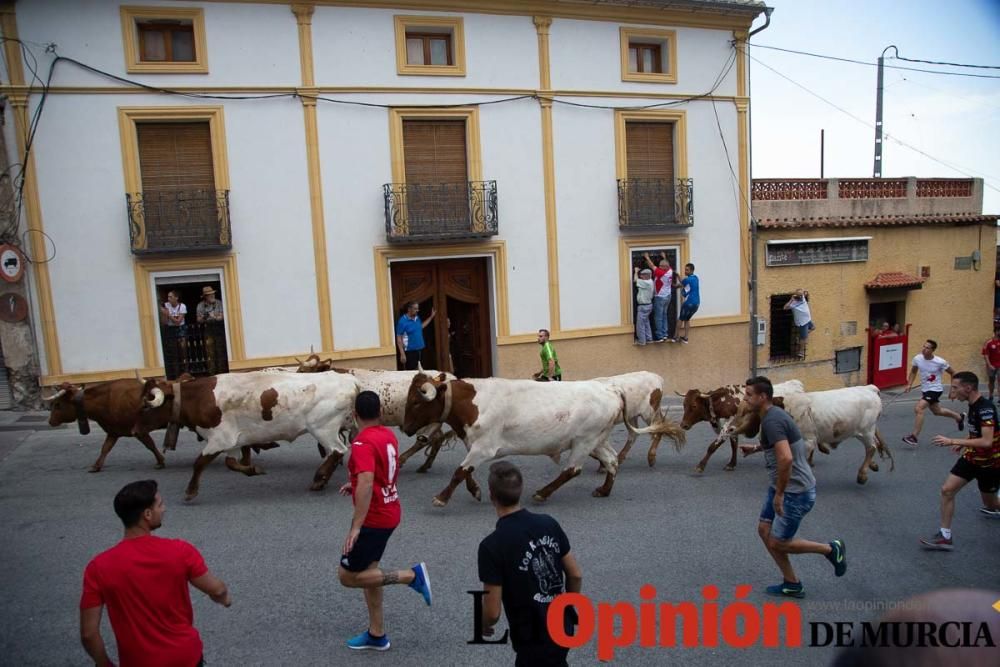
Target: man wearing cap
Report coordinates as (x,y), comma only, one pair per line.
(209,312)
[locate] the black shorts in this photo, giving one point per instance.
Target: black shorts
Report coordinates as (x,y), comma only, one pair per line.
(368,549)
(931,397)
(988,479)
(413,359)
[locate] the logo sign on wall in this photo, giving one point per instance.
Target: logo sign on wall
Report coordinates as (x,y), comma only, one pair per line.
(890,356)
(11,263)
(13,307)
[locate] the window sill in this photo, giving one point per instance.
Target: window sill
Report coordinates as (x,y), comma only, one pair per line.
(168,68)
(431,70)
(643,77)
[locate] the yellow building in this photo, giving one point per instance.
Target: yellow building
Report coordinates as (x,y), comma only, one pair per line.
(914,252)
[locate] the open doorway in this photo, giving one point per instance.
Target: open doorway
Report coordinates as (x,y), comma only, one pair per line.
(638,260)
(457,340)
(192,325)
(892,313)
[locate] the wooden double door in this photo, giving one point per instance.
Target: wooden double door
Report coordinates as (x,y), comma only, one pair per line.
(458,339)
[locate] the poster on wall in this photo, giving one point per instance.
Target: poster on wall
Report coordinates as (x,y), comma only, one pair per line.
(890,357)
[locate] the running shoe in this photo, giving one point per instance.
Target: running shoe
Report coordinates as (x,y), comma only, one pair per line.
(937,543)
(684,340)
(911,440)
(961,422)
(787,589)
(422,582)
(838,556)
(987,512)
(365,642)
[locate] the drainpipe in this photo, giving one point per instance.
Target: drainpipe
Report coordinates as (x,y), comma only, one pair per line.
(753,220)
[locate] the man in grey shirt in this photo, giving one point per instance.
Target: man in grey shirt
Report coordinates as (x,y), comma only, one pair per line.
(792,492)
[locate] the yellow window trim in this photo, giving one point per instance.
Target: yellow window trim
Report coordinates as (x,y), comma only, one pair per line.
(495,250)
(678,118)
(148,310)
(131,15)
(472,146)
(667,37)
(455,23)
(129,116)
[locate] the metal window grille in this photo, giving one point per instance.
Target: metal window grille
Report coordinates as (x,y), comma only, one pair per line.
(848,360)
(196,348)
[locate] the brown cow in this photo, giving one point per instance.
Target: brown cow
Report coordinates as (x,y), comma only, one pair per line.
(113,405)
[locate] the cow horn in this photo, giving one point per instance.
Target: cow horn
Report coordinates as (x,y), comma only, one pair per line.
(158,398)
(702,394)
(420,367)
(311,361)
(428,391)
(138,376)
(678,393)
(54,396)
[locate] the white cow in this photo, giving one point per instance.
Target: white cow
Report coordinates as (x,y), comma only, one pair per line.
(827,418)
(643,394)
(236,409)
(499,417)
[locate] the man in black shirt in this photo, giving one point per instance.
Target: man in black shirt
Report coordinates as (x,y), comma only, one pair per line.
(522,564)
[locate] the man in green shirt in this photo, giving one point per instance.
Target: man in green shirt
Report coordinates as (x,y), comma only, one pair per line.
(550,361)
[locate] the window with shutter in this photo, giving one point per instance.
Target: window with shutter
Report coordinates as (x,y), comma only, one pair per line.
(178,185)
(437,176)
(649,168)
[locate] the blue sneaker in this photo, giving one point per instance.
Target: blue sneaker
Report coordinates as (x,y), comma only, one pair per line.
(838,556)
(365,642)
(787,589)
(422,582)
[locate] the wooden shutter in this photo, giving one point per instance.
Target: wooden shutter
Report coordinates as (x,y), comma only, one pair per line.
(649,150)
(434,151)
(175,156)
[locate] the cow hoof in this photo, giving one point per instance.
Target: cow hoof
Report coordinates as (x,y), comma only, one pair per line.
(651,461)
(190,495)
(437,502)
(160,465)
(600,493)
(539,498)
(699,469)
(94,468)
(873,467)
(424,468)
(256,470)
(862,479)
(317,486)
(731,467)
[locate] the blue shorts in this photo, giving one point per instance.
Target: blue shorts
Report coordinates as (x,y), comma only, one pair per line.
(796,506)
(805,329)
(688,311)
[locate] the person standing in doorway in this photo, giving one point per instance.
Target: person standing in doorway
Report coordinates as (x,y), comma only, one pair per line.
(210,315)
(799,305)
(524,564)
(792,492)
(930,367)
(550,360)
(174,317)
(690,300)
(374,465)
(991,355)
(663,283)
(143,580)
(410,336)
(644,304)
(980,459)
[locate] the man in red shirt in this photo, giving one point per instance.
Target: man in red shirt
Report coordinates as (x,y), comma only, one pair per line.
(144,580)
(991,354)
(374,465)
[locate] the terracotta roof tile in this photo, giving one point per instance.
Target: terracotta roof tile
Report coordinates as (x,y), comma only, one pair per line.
(895,280)
(879,221)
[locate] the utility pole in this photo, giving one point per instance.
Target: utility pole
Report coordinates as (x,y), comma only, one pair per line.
(821,142)
(877,171)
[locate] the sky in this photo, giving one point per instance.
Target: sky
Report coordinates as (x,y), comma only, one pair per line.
(953,119)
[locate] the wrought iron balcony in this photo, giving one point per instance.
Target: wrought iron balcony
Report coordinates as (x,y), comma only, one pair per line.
(179,221)
(646,204)
(417,213)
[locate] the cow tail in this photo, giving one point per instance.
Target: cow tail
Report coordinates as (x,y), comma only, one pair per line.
(883,450)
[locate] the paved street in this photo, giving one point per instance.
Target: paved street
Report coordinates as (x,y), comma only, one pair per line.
(277,545)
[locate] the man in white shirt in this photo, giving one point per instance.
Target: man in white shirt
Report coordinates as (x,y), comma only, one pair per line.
(930,367)
(799,305)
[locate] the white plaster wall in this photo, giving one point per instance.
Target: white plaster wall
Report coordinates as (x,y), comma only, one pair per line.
(587,212)
(272,227)
(356,47)
(248,44)
(586,55)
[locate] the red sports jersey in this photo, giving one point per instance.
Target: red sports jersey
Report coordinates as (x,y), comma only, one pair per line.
(143,581)
(992,351)
(375,450)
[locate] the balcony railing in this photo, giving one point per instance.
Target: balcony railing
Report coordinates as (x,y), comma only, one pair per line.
(179,221)
(655,203)
(440,211)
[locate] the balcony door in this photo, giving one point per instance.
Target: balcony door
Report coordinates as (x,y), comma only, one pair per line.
(458,339)
(178,185)
(649,156)
(437,176)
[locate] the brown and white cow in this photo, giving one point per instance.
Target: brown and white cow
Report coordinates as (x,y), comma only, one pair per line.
(113,405)
(497,417)
(718,407)
(233,410)
(827,418)
(643,394)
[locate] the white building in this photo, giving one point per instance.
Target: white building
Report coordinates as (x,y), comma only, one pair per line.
(499,178)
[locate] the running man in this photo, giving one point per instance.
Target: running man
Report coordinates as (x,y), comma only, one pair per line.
(930,368)
(980,459)
(550,360)
(991,355)
(792,492)
(143,580)
(373,466)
